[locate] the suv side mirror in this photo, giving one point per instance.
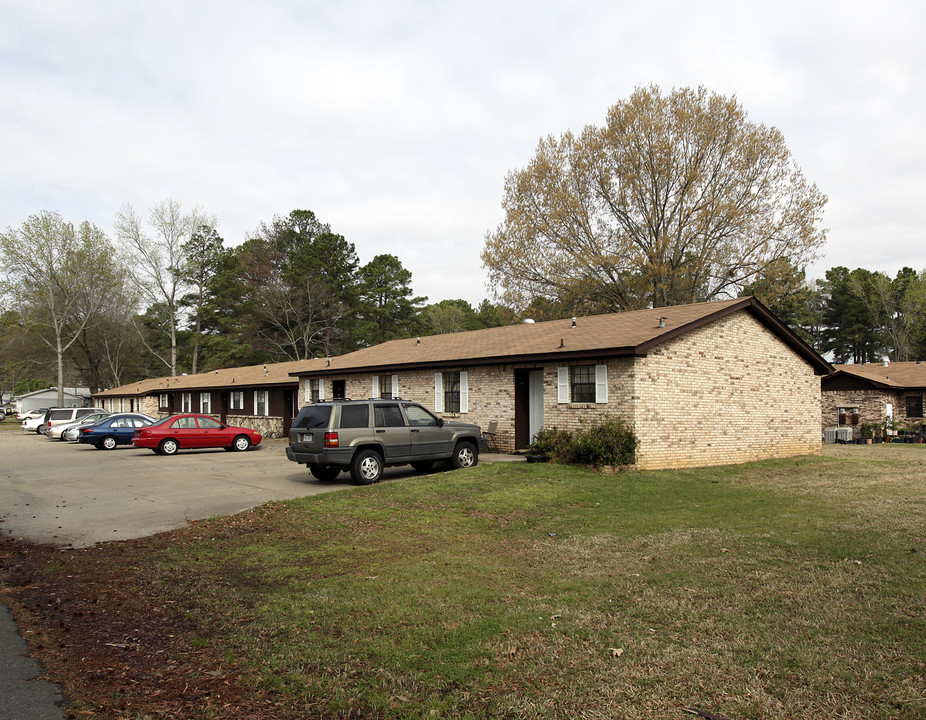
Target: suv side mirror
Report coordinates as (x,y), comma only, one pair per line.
(440,422)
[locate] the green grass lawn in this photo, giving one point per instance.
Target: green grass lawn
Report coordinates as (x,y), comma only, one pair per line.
(782,589)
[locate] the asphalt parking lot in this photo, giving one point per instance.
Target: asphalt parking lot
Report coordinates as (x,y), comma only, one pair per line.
(75,495)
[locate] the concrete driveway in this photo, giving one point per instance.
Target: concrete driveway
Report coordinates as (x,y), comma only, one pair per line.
(75,495)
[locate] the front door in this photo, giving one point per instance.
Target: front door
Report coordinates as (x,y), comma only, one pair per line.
(528,406)
(289,410)
(535,411)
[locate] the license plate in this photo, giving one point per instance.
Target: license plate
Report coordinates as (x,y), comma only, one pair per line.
(306,437)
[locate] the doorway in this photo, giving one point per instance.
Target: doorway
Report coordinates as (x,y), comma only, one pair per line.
(528,406)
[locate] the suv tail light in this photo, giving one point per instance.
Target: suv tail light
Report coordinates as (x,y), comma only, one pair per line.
(331,439)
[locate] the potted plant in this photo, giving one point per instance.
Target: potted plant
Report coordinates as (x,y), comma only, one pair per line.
(868,433)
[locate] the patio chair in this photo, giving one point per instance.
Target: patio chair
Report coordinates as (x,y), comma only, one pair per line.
(490,434)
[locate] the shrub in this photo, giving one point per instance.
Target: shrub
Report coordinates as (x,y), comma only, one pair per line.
(612,442)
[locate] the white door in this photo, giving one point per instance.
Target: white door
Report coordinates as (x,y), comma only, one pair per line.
(535,392)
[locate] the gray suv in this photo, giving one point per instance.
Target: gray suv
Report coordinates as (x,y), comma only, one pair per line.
(364,436)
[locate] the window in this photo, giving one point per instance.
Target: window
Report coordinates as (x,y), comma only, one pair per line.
(184,423)
(582,384)
(385,386)
(205,403)
(457,385)
(209,424)
(315,390)
(260,403)
(162,401)
(452,392)
(387,416)
(419,417)
(355,416)
(186,402)
(237,400)
(847,415)
(914,406)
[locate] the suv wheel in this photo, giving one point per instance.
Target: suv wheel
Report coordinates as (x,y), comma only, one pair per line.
(367,467)
(326,474)
(464,455)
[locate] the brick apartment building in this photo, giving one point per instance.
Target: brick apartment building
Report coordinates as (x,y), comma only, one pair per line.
(702,384)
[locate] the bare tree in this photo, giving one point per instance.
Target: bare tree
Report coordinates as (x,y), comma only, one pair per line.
(160,249)
(58,279)
(675,199)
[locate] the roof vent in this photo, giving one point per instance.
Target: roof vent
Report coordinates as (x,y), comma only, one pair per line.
(527,321)
(573,323)
(662,322)
(886,362)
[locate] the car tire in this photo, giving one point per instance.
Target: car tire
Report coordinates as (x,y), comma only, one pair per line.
(423,465)
(169,446)
(465,455)
(241,443)
(367,467)
(325,474)
(40,430)
(108,443)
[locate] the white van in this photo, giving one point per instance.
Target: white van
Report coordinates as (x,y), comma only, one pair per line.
(64,416)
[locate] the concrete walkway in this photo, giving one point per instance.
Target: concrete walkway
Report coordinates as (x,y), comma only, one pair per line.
(22,695)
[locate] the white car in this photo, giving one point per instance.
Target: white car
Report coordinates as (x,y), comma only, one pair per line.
(57,432)
(31,414)
(34,424)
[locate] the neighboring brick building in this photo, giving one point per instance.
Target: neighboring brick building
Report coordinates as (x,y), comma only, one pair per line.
(887,396)
(704,384)
(261,397)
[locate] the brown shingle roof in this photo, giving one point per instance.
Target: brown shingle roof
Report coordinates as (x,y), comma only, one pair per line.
(249,376)
(894,375)
(616,334)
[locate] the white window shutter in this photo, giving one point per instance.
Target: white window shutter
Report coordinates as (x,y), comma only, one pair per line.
(395,386)
(308,390)
(562,385)
(464,392)
(321,388)
(438,392)
(601,383)
(375,386)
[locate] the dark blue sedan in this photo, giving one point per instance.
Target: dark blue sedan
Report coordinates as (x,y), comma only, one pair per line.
(114,430)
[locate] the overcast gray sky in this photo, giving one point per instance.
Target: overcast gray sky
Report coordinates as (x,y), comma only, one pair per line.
(397,121)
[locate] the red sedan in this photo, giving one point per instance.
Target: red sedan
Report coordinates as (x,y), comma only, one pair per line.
(180,432)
